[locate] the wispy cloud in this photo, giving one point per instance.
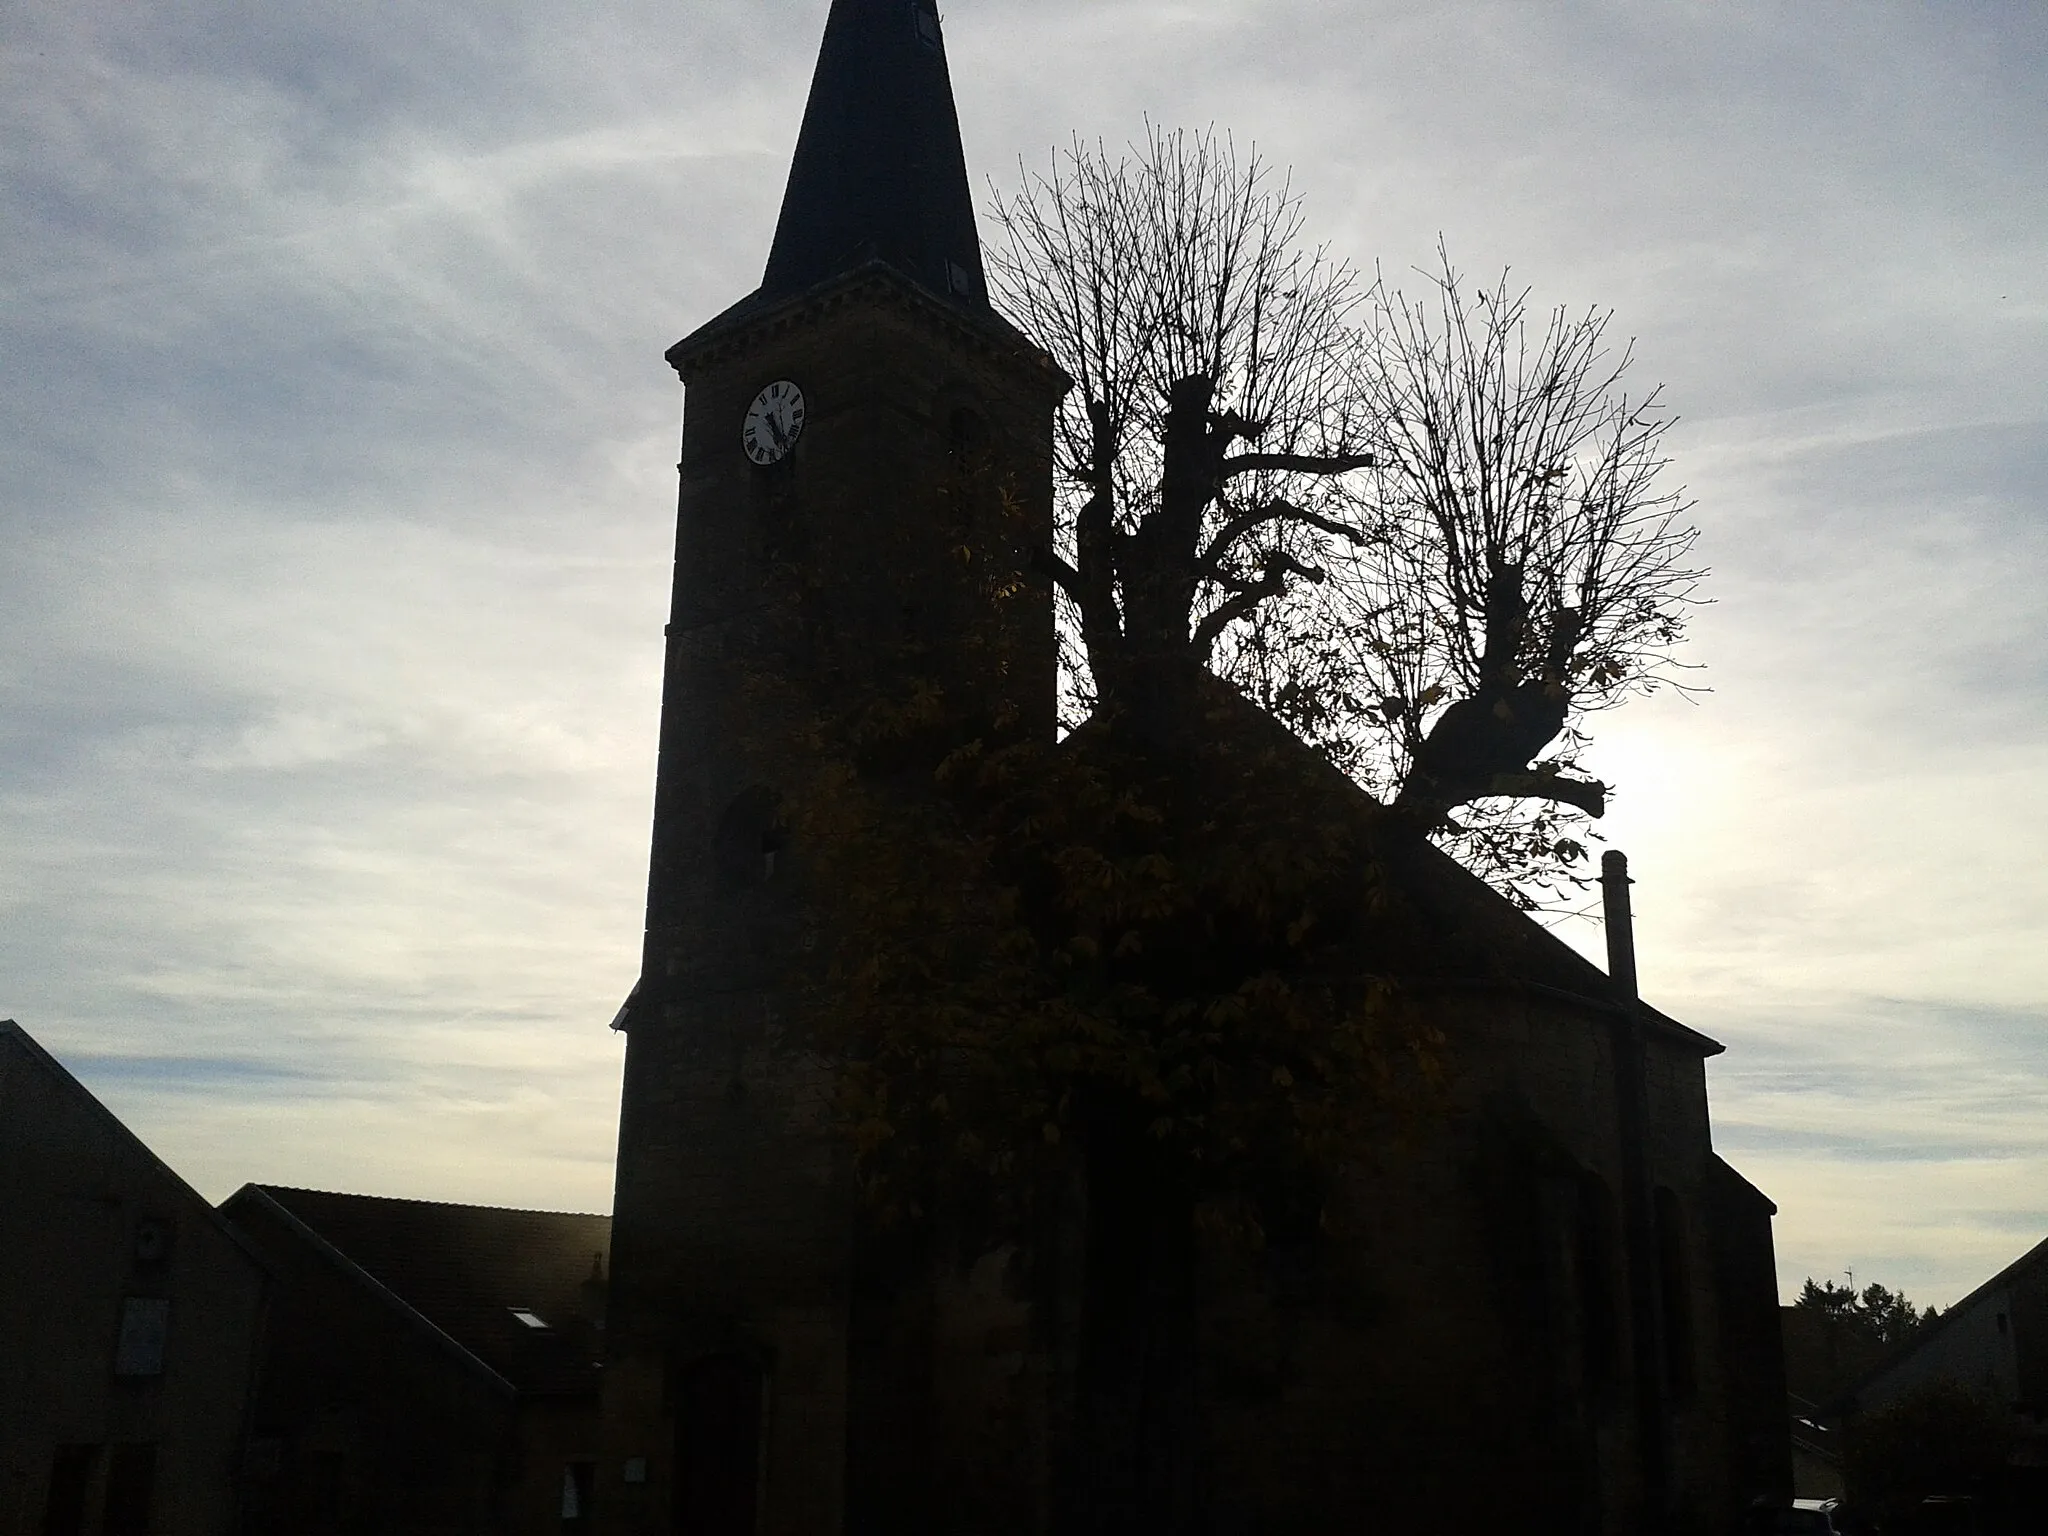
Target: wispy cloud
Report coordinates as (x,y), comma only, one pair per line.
(336,507)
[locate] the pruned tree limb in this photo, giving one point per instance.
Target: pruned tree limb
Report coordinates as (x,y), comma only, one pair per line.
(1494,543)
(1095,536)
(1588,795)
(1278,509)
(1059,570)
(1298,463)
(1278,567)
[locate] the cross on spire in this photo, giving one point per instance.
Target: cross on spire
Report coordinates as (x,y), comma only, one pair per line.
(878,172)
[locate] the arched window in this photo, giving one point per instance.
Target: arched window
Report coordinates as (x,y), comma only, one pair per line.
(1674,1284)
(1593,1275)
(966,430)
(968,459)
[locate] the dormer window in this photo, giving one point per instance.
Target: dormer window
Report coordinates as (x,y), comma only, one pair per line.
(532,1320)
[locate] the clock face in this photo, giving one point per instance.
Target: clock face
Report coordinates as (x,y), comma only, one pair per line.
(774,422)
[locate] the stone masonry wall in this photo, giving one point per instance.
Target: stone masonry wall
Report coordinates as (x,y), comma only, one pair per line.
(735,1215)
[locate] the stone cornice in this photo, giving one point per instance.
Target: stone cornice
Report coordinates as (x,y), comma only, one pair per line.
(743,328)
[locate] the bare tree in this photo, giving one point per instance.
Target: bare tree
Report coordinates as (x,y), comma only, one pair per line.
(1530,533)
(1213,415)
(1525,564)
(1429,534)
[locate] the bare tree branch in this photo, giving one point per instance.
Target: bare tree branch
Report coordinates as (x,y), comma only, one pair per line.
(1589,795)
(1172,285)
(1059,570)
(1297,463)
(1278,567)
(1276,509)
(1432,534)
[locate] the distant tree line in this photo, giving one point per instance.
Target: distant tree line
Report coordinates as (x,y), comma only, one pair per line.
(1886,1316)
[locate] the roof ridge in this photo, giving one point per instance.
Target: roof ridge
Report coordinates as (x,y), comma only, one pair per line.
(331,1253)
(41,1056)
(451,1205)
(1467,890)
(1942,1319)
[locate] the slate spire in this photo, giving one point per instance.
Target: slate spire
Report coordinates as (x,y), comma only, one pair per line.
(878,172)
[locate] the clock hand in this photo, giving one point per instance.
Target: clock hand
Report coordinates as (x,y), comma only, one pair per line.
(775,426)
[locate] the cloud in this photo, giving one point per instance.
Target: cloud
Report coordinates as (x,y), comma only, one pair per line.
(1901,1137)
(336,510)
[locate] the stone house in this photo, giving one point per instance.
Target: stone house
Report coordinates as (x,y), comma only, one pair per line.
(1543,1305)
(129,1313)
(1993,1342)
(426,1368)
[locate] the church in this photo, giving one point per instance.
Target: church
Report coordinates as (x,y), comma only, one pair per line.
(1541,1304)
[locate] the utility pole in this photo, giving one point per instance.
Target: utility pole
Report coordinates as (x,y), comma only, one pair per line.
(1639,1217)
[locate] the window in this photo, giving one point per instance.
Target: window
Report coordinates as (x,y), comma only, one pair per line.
(152,1240)
(579,1488)
(71,1471)
(925,16)
(1675,1291)
(966,431)
(131,1477)
(531,1319)
(145,1323)
(1593,1273)
(749,839)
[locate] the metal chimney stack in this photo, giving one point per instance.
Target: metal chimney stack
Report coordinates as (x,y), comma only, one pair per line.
(1638,1212)
(1621,923)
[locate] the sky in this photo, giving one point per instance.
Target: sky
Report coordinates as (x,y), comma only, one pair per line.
(337,504)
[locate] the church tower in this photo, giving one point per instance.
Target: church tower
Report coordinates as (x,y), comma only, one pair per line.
(866,447)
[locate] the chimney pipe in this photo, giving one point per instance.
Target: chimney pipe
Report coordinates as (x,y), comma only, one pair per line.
(1638,1209)
(1621,923)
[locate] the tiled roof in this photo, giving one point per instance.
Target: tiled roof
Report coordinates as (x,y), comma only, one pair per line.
(471,1269)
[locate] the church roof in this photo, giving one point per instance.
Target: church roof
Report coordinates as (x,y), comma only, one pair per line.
(1437,925)
(879,178)
(879,173)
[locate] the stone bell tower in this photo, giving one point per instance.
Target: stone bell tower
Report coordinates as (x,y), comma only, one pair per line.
(864,441)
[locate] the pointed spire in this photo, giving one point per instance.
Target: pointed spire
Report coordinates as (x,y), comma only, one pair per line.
(879,173)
